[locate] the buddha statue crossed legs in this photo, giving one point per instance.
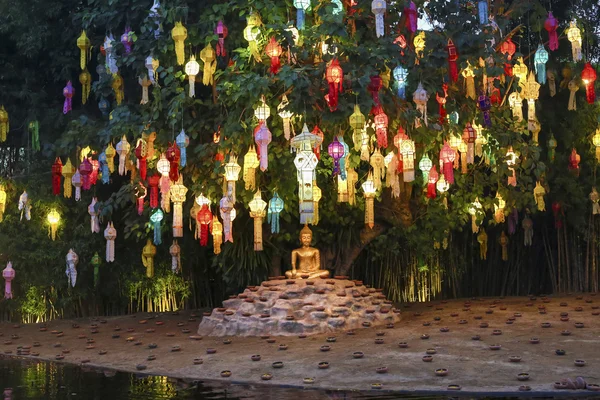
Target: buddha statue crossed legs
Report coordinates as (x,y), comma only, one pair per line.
(306,261)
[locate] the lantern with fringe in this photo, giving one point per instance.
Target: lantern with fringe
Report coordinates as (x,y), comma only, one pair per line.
(469,76)
(262,138)
(401,75)
(469,137)
(499,205)
(475,210)
(369,191)
(77,182)
(484,104)
(141,153)
(221,31)
(275,207)
(286,115)
(182,140)
(419,43)
(381,125)
(336,151)
(377,162)
(425,165)
(432,178)
(531,92)
(123,148)
(152,65)
(8,274)
(53,220)
(191,69)
(574,36)
(153,182)
(482,11)
(258,212)
(551,25)
(226,210)
(94,222)
(179,34)
(173,156)
(273,50)
(68,92)
(232,174)
(250,164)
(305,162)
(538,193)
(540,59)
(420,97)
(447,156)
(251,33)
(164,167)
(596,143)
(175,252)
(357,123)
(140,194)
(407,149)
(508,48)
(209,58)
(511,160)
(335,77)
(85,169)
(178,192)
(24,206)
(155,219)
(588,76)
(110,234)
(109,50)
(217,234)
(56,174)
(378,7)
(301,7)
(4,124)
(2,202)
(84,44)
(71,271)
(204,219)
(148,253)
(516,105)
(86,84)
(411,17)
(452,58)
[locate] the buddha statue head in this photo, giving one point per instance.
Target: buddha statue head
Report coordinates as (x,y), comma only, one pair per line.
(306,236)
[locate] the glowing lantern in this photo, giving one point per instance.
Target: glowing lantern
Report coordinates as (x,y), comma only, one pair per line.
(335,77)
(85,169)
(447,156)
(152,65)
(336,151)
(94,222)
(482,11)
(84,44)
(4,124)
(140,194)
(452,58)
(531,92)
(551,25)
(419,43)
(516,105)
(179,34)
(262,138)
(377,162)
(232,173)
(111,60)
(153,182)
(420,97)
(141,153)
(317,195)
(178,192)
(2,202)
(221,32)
(164,167)
(508,48)
(392,179)
(226,210)
(173,156)
(484,104)
(250,164)
(538,194)
(204,219)
(182,140)
(425,166)
(411,17)
(499,205)
(442,186)
(574,160)
(469,76)
(357,123)
(574,36)
(123,148)
(251,33)
(520,70)
(71,271)
(285,115)
(369,191)
(407,149)
(217,233)
(68,92)
(110,234)
(77,182)
(56,174)
(262,112)
(273,50)
(8,274)
(150,139)
(540,59)
(155,218)
(511,160)
(258,212)
(53,220)
(305,162)
(475,209)
(432,178)
(191,69)
(596,142)
(441,100)
(588,76)
(381,125)
(275,207)
(469,137)
(378,7)
(148,253)
(301,7)
(401,75)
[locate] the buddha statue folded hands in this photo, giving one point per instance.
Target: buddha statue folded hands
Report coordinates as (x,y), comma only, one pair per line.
(306,261)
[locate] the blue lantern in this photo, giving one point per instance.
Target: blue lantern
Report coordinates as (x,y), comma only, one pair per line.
(540,59)
(482,8)
(400,75)
(275,207)
(156,218)
(343,160)
(104,168)
(182,141)
(301,7)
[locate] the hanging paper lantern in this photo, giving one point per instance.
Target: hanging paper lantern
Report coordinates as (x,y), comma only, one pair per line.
(56,174)
(484,104)
(573,87)
(68,92)
(469,137)
(104,167)
(110,234)
(469,76)
(141,153)
(455,142)
(153,182)
(250,164)
(2,202)
(305,162)
(117,85)
(447,156)
(275,207)
(262,112)
(204,220)
(442,103)
(511,160)
(84,44)
(258,212)
(574,36)
(221,32)
(551,147)
(217,233)
(463,150)
(140,194)
(273,50)
(419,44)
(286,115)
(86,84)
(173,156)
(164,167)
(508,48)
(24,206)
(407,150)
(420,97)
(209,58)
(262,138)
(182,140)
(369,191)
(433,177)
(53,220)
(71,271)
(378,7)
(336,151)
(588,76)
(381,125)
(226,209)
(77,181)
(574,160)
(301,7)
(531,92)
(110,157)
(175,252)
(317,195)
(251,33)
(152,65)
(85,169)
(156,218)
(410,12)
(499,205)
(452,58)
(357,123)
(594,197)
(551,25)
(475,210)
(111,60)
(540,59)
(127,40)
(8,274)
(335,77)
(232,174)
(425,165)
(178,193)
(95,170)
(94,222)
(377,162)
(148,253)
(401,75)
(179,34)
(482,11)
(191,69)
(516,105)
(392,179)
(521,71)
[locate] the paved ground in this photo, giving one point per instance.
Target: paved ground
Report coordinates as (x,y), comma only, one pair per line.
(470,363)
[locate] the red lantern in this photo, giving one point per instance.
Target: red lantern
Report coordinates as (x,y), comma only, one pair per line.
(448,155)
(173,156)
(410,14)
(141,153)
(336,151)
(588,76)
(204,218)
(551,25)
(95,171)
(219,157)
(273,50)
(374,87)
(401,42)
(452,58)
(56,174)
(558,214)
(317,149)
(508,48)
(381,125)
(574,160)
(153,182)
(442,103)
(85,169)
(335,77)
(432,180)
(221,32)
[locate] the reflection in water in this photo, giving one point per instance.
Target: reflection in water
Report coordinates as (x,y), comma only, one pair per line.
(45,380)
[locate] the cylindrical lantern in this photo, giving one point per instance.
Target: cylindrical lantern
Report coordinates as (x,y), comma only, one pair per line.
(273,50)
(335,78)
(285,115)
(452,58)
(68,92)
(182,140)
(156,218)
(425,165)
(407,149)
(8,274)
(110,234)
(482,11)
(85,169)
(401,75)
(381,125)
(588,76)
(357,123)
(540,60)
(258,212)
(123,148)
(173,156)
(275,207)
(250,164)
(551,25)
(232,174)
(71,271)
(447,156)
(301,7)
(225,208)
(148,253)
(153,182)
(204,219)
(574,36)
(178,192)
(164,167)
(469,136)
(56,174)
(141,153)
(378,7)
(53,220)
(369,191)
(336,151)
(217,233)
(263,137)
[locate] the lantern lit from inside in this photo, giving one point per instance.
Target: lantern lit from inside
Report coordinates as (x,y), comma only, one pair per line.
(588,76)
(369,191)
(53,220)
(400,76)
(511,160)
(258,212)
(407,149)
(357,123)
(262,112)
(286,114)
(232,174)
(251,34)
(574,36)
(274,50)
(178,192)
(499,205)
(191,69)
(475,209)
(596,142)
(305,162)
(335,76)
(425,165)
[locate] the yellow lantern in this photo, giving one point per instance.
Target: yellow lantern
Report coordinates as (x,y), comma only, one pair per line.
(53,220)
(67,171)
(317,194)
(232,174)
(178,192)
(285,115)
(596,142)
(463,150)
(209,58)
(520,70)
(191,69)
(454,143)
(538,193)
(419,43)
(574,36)
(86,85)
(250,164)
(117,85)
(110,157)
(217,234)
(475,209)
(84,44)
(407,149)
(516,105)
(145,84)
(2,202)
(531,92)
(4,124)
(357,123)
(511,160)
(469,76)
(258,211)
(499,205)
(179,34)
(251,34)
(369,191)
(377,161)
(305,162)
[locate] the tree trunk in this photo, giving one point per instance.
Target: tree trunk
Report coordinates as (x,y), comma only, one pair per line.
(366,237)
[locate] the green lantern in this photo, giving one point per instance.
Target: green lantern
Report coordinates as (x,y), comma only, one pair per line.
(96,261)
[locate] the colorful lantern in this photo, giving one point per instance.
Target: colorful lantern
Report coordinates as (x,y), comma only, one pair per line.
(152,65)
(178,193)
(56,174)
(470,137)
(410,12)
(258,212)
(250,164)
(452,58)
(531,92)
(381,125)
(164,167)
(175,252)
(401,75)
(378,7)
(551,25)
(442,186)
(141,153)
(226,210)
(574,160)
(511,160)
(407,149)
(148,253)
(204,219)
(274,50)
(67,172)
(71,270)
(232,174)
(425,165)
(8,274)
(335,77)
(179,34)
(482,11)
(84,44)
(540,59)
(484,104)
(182,140)
(469,76)
(596,142)
(251,33)
(2,202)
(508,48)
(77,181)
(173,156)
(538,194)
(432,179)
(419,43)
(53,220)
(262,138)
(499,205)
(574,36)
(286,115)
(420,97)
(516,105)
(369,191)
(123,148)
(191,69)
(140,194)
(68,92)
(588,76)
(301,7)
(209,58)
(85,169)
(117,85)
(155,219)
(221,32)
(441,100)
(377,162)
(217,234)
(275,207)
(305,162)
(262,112)
(357,123)
(94,222)
(4,124)
(336,151)
(475,210)
(127,40)
(447,156)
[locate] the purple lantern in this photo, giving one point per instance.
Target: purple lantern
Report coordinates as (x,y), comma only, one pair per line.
(8,274)
(221,32)
(263,137)
(485,106)
(126,39)
(68,92)
(336,151)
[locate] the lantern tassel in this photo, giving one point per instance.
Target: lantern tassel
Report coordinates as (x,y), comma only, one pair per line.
(453,71)
(590,93)
(540,68)
(204,235)
(300,18)
(369,212)
(379,27)
(448,171)
(157,234)
(258,241)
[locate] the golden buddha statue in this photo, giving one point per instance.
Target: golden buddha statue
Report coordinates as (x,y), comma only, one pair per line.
(308,259)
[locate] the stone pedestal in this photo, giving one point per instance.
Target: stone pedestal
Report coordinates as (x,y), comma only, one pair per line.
(293,307)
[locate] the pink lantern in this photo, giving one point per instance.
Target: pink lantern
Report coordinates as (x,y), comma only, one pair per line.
(381,125)
(317,146)
(221,31)
(8,274)
(263,137)
(336,151)
(448,155)
(68,92)
(85,169)
(410,14)
(95,170)
(431,181)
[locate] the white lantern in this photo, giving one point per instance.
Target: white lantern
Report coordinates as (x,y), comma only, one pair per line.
(258,212)
(191,69)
